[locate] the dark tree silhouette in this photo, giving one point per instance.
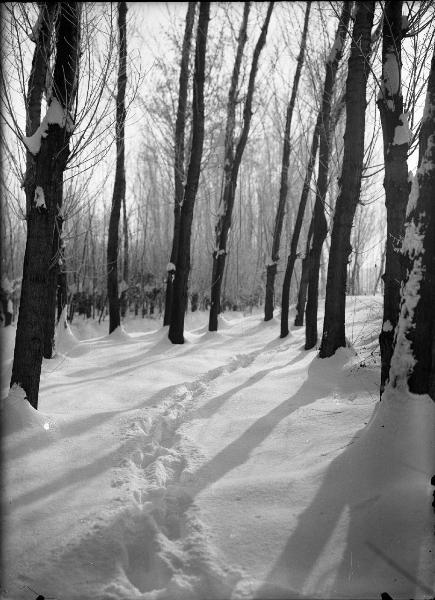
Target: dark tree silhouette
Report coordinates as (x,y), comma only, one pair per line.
(119,186)
(180,126)
(350,180)
(179,304)
(50,146)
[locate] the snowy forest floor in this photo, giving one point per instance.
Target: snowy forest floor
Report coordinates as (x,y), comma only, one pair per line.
(237,465)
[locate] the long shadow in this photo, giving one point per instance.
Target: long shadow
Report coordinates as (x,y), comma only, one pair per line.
(78,476)
(238,452)
(208,409)
(41,439)
(360,502)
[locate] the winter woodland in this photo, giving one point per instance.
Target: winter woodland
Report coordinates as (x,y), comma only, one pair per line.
(217,300)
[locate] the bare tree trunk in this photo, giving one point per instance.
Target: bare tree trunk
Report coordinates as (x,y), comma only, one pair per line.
(285,300)
(390,105)
(119,186)
(50,163)
(125,272)
(413,360)
(272,265)
(176,327)
(179,156)
(350,183)
(232,165)
(303,285)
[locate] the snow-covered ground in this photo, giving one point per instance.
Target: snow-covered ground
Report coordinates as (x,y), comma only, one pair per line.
(237,465)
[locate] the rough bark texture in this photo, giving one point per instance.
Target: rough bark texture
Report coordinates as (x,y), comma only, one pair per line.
(414,352)
(50,164)
(272,265)
(119,185)
(36,87)
(390,103)
(350,182)
(125,274)
(232,165)
(180,126)
(179,305)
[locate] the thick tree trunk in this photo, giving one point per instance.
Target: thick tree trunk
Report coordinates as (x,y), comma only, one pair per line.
(119,185)
(413,360)
(50,163)
(49,314)
(179,304)
(180,125)
(350,182)
(232,165)
(271,267)
(390,103)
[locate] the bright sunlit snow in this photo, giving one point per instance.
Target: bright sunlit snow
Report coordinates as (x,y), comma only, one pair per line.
(237,465)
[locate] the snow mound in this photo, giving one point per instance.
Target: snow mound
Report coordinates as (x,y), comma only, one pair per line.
(18,414)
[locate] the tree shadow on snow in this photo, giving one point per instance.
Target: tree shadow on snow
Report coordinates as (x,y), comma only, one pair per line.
(359,536)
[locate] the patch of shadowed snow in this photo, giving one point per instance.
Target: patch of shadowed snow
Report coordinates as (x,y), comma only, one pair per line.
(39,197)
(337,47)
(402,133)
(387,326)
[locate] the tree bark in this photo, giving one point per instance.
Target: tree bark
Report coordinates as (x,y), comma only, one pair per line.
(125,273)
(320,227)
(350,183)
(179,170)
(232,165)
(119,185)
(50,163)
(390,103)
(303,285)
(413,360)
(285,302)
(176,327)
(272,265)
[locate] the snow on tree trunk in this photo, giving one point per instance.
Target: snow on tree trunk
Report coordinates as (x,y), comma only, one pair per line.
(350,181)
(180,125)
(272,266)
(119,185)
(413,360)
(51,140)
(179,304)
(396,142)
(231,167)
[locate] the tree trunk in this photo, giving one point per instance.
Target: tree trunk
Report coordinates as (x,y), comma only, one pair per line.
(303,285)
(50,163)
(390,103)
(180,125)
(36,88)
(176,327)
(125,273)
(350,182)
(381,270)
(413,360)
(320,227)
(49,313)
(119,185)
(232,165)
(272,265)
(285,301)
